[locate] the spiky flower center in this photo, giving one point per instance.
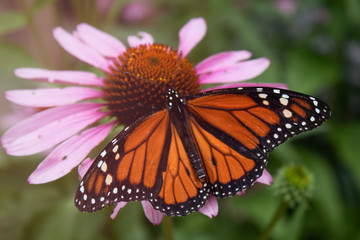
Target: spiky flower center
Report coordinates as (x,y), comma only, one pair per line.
(140,77)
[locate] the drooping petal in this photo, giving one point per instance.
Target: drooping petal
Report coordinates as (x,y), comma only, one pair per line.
(154,216)
(80,50)
(210,208)
(105,44)
(221,60)
(84,167)
(52,96)
(49,127)
(265,178)
(241,193)
(246,84)
(191,34)
(135,41)
(69,154)
(64,77)
(238,72)
(116,210)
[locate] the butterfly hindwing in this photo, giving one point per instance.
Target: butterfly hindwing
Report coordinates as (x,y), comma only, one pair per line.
(182,192)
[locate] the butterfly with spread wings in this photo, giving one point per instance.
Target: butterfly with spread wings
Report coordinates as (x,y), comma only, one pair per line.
(215,142)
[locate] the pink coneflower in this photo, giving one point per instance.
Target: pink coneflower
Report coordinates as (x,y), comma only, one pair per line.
(70,124)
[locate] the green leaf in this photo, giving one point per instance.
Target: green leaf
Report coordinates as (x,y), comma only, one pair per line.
(11,21)
(290,227)
(345,137)
(326,198)
(12,56)
(309,72)
(353,10)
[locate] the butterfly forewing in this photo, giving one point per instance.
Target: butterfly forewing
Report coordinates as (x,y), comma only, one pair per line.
(129,167)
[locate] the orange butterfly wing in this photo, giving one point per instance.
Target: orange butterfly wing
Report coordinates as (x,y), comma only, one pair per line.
(128,168)
(182,192)
(235,129)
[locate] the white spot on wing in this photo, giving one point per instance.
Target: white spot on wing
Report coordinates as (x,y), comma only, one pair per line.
(108,179)
(115,149)
(104,167)
(284,101)
(103,153)
(263,95)
(287,113)
(99,163)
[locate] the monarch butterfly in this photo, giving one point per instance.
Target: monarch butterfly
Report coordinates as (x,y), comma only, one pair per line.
(215,142)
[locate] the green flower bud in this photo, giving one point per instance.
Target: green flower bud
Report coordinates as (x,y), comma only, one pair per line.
(294,184)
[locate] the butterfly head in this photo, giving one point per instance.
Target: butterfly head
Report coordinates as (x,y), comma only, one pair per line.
(173,99)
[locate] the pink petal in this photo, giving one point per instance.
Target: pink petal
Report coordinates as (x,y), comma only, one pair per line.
(245,84)
(66,77)
(265,178)
(50,127)
(221,60)
(84,167)
(69,154)
(116,210)
(241,193)
(78,49)
(52,96)
(19,113)
(103,43)
(154,216)
(135,41)
(191,34)
(210,208)
(238,72)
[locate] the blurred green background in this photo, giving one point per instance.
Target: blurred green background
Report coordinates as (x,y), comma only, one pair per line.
(314,47)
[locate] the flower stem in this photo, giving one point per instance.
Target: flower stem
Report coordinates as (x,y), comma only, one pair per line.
(167,228)
(278,215)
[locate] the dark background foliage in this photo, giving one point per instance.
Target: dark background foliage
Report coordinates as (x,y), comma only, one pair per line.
(314,47)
